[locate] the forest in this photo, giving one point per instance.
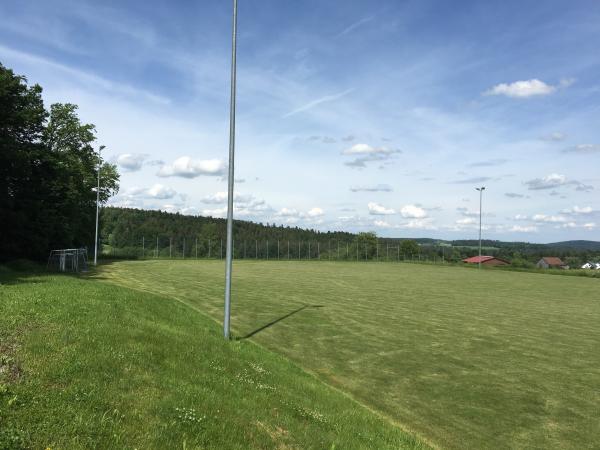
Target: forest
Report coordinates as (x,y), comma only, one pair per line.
(134,233)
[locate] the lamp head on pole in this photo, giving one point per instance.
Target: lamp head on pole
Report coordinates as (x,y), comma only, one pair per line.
(482,188)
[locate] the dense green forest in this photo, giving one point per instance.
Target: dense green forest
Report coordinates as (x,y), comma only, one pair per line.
(48,173)
(127,232)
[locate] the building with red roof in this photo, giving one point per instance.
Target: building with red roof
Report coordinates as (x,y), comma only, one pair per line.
(551,262)
(486,261)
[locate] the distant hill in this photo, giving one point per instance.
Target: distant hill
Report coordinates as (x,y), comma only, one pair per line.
(576,245)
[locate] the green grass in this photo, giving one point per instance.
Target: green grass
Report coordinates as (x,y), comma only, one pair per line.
(88,364)
(463,358)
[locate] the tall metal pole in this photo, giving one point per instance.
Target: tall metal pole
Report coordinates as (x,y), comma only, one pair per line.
(228,264)
(480,189)
(97,207)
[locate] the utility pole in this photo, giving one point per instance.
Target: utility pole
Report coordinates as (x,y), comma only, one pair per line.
(228,265)
(102,147)
(480,189)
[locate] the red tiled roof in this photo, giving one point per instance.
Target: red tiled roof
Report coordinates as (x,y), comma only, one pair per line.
(477,259)
(553,261)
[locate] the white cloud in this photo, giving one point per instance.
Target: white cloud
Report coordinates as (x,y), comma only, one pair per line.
(551,181)
(377,188)
(315,212)
(523,229)
(186,167)
(161,192)
(466,221)
(521,217)
(548,219)
(413,211)
(218,212)
(577,210)
(589,226)
(382,224)
(419,224)
(567,225)
(287,212)
(131,162)
(366,153)
(379,210)
(524,89)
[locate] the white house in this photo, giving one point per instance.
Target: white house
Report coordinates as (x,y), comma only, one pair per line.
(588,265)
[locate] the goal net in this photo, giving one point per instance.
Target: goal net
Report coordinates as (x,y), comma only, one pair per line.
(68,260)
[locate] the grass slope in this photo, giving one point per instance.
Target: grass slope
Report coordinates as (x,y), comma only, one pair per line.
(467,359)
(85,364)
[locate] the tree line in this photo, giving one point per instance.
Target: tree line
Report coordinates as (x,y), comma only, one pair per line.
(48,170)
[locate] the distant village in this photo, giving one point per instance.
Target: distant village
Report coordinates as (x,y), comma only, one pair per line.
(547,262)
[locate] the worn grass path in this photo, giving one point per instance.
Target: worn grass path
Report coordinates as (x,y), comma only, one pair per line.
(467,360)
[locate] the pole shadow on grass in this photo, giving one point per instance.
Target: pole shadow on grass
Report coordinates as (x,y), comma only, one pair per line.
(273,322)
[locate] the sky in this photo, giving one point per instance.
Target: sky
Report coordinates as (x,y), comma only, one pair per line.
(352,115)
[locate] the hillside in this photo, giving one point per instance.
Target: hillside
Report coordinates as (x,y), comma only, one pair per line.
(130,230)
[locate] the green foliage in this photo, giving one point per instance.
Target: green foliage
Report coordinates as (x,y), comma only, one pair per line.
(48,173)
(409,247)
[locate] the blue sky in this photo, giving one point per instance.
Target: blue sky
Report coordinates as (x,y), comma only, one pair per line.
(352,115)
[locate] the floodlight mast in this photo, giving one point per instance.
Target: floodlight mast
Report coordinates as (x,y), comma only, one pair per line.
(102,147)
(230,179)
(480,189)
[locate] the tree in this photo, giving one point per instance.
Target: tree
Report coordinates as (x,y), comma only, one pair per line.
(409,247)
(367,244)
(48,171)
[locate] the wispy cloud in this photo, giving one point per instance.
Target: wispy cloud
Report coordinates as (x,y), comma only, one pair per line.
(472,180)
(377,188)
(317,102)
(85,77)
(355,25)
(583,149)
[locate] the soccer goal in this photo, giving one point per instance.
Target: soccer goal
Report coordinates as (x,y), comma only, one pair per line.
(68,260)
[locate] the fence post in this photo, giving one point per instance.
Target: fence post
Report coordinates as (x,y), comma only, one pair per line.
(318,250)
(309,250)
(221,248)
(256,249)
(143,247)
(267,249)
(244,249)
(288,250)
(157,247)
(170,247)
(183,255)
(209,249)
(298,250)
(277,249)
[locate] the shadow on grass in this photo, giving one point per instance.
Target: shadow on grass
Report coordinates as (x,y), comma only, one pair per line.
(273,322)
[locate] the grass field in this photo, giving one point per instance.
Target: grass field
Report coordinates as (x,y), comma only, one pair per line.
(87,364)
(464,359)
